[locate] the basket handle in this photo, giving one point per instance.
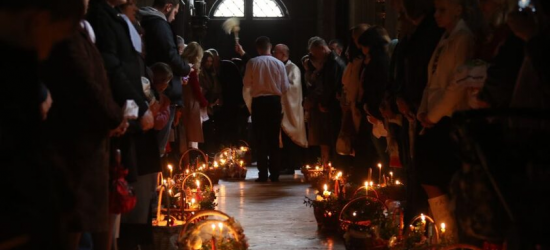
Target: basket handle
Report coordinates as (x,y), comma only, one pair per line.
(357,199)
(364,187)
(203,214)
(428,218)
(160,202)
(190,150)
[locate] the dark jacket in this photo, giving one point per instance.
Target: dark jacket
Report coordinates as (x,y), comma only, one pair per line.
(416,52)
(503,72)
(119,56)
(329,82)
(375,81)
(78,125)
(161,46)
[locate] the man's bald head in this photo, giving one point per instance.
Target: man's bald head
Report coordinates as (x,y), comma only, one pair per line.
(281,52)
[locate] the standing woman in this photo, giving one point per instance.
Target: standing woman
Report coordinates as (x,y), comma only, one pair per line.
(375,76)
(436,155)
(208,78)
(194,101)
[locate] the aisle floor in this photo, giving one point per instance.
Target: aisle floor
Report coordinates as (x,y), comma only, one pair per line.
(273,215)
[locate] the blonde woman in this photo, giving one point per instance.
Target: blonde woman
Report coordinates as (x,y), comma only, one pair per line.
(194,101)
(436,155)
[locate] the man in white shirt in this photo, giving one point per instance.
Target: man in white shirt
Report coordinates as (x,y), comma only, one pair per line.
(293,126)
(265,81)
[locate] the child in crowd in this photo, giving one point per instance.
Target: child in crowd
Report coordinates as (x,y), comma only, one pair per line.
(162,75)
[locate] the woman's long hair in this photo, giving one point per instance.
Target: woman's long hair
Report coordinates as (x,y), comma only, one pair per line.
(193,53)
(353,51)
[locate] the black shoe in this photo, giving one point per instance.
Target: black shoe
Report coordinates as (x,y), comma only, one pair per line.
(275,180)
(260,180)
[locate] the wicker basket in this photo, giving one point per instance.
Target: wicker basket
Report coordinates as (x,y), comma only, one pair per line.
(189,236)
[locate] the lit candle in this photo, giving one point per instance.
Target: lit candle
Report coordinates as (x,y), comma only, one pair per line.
(316,167)
(244,149)
(367,187)
(442,228)
(307,167)
(370,175)
(215,164)
(326,193)
(213,238)
(241,163)
(423,218)
(193,202)
(187,172)
(411,227)
(198,185)
(397,182)
(391,177)
(171,169)
(222,161)
(354,214)
(170,191)
(380,173)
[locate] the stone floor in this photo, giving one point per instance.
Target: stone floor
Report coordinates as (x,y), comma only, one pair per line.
(273,214)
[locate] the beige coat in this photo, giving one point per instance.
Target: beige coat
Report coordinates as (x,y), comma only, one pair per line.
(352,89)
(441,98)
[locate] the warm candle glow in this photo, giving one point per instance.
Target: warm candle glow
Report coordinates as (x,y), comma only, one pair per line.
(391,174)
(194,175)
(170,167)
(316,167)
(367,185)
(325,187)
(187,171)
(213,227)
(423,218)
(379,165)
(307,166)
(164,181)
(192,201)
(397,182)
(222,161)
(220,225)
(354,214)
(170,192)
(215,164)
(443,228)
(198,184)
(241,163)
(339,175)
(372,184)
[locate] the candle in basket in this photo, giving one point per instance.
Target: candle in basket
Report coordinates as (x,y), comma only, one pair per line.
(326,193)
(198,185)
(370,175)
(171,169)
(213,238)
(367,187)
(241,163)
(337,183)
(443,229)
(215,164)
(379,173)
(423,219)
(391,177)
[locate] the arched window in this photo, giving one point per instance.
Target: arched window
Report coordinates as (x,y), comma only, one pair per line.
(230,8)
(260,9)
(266,8)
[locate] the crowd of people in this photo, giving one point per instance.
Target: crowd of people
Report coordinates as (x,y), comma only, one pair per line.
(102,77)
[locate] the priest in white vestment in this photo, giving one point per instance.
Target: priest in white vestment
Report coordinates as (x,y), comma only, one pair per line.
(293,128)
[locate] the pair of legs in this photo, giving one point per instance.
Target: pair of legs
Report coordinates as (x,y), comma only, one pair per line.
(266,121)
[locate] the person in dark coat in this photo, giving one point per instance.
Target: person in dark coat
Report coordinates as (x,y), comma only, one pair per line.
(124,72)
(32,207)
(414,52)
(233,113)
(328,72)
(161,46)
(78,82)
(374,79)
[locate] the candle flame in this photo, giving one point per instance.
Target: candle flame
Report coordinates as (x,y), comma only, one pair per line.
(354,214)
(193,201)
(372,184)
(220,225)
(423,218)
(316,167)
(215,164)
(170,167)
(198,184)
(339,175)
(397,182)
(187,171)
(379,165)
(443,227)
(307,166)
(367,185)
(213,227)
(170,192)
(325,187)
(391,173)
